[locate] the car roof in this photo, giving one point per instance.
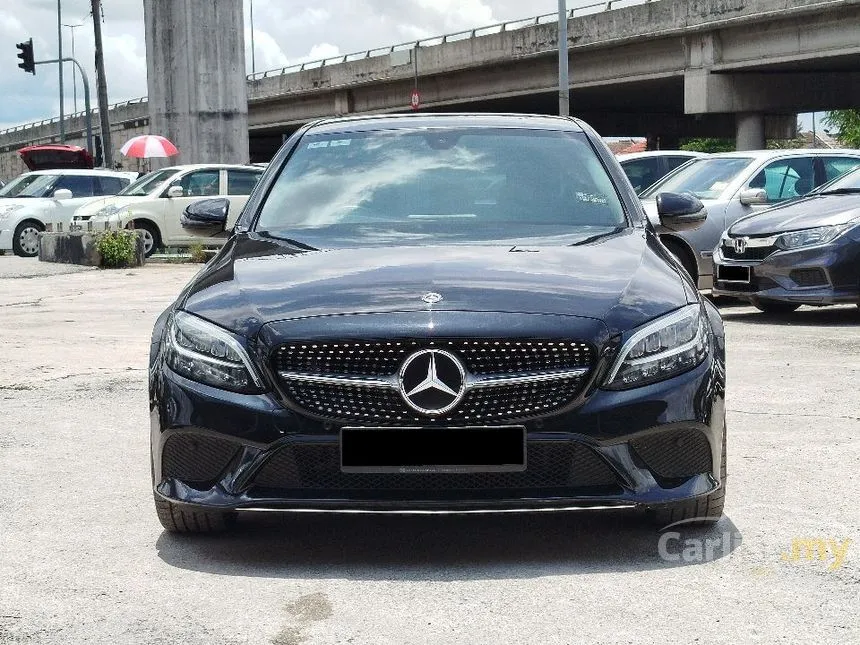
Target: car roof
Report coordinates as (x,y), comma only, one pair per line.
(789,152)
(443,120)
(201,166)
(660,153)
(84,171)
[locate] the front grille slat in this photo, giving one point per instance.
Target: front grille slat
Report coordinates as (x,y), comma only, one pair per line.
(551,464)
(752,253)
(374,359)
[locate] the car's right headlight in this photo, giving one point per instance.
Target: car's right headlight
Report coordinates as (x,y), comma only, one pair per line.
(664,348)
(203,352)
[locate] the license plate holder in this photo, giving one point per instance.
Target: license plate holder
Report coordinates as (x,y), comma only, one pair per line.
(734,273)
(473,449)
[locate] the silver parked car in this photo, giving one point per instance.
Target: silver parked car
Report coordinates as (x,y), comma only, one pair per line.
(732,185)
(646,168)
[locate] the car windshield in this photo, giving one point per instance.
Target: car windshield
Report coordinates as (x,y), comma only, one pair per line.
(29,186)
(704,178)
(466,184)
(148,184)
(847,183)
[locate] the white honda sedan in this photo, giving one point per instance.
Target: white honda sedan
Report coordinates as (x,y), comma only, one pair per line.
(154,203)
(34,199)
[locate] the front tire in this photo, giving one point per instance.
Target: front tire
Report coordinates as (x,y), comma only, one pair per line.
(25,240)
(151,236)
(177,519)
(776,308)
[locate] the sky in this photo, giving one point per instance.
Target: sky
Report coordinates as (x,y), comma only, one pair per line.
(286,32)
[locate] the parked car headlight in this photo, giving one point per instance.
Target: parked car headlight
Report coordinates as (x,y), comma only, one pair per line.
(203,352)
(808,237)
(106,211)
(670,345)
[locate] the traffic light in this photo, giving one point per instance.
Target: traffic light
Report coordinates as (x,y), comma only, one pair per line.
(26,55)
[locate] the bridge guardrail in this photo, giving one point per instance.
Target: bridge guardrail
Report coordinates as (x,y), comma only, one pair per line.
(510,25)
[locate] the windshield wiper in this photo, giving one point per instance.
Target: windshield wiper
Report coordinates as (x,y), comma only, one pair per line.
(594,238)
(841,191)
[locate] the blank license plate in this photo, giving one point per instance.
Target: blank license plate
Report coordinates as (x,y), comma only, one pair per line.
(433,450)
(730,273)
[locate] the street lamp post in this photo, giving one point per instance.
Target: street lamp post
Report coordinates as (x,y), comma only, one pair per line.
(563,75)
(74,78)
(60,67)
(253,61)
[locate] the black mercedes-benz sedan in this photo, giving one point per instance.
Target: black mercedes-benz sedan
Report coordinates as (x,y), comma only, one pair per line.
(439,313)
(805,252)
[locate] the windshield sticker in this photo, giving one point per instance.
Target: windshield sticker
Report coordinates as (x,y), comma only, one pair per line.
(317,144)
(340,142)
(591,199)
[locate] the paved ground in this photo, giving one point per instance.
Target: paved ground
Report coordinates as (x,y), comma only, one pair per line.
(84,560)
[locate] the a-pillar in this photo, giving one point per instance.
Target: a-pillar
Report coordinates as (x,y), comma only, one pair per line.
(749,131)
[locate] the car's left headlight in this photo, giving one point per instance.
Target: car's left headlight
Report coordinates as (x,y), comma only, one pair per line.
(204,352)
(666,347)
(809,237)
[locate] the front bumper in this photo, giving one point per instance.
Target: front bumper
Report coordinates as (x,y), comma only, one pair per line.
(820,275)
(647,446)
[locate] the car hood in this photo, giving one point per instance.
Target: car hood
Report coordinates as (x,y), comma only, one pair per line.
(810,212)
(117,202)
(29,202)
(622,280)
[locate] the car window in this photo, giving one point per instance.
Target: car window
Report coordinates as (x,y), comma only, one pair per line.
(242,182)
(706,178)
(28,186)
(147,184)
(80,185)
(467,182)
(674,162)
(786,178)
(202,183)
(110,185)
(836,166)
(642,172)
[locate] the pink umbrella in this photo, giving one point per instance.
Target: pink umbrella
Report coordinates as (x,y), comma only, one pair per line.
(147,146)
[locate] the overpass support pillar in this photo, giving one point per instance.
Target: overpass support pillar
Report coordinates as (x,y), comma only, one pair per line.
(749,131)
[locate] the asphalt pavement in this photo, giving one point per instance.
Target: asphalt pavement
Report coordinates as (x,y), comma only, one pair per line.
(83,558)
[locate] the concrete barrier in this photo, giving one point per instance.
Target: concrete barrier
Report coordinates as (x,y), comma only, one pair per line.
(80,247)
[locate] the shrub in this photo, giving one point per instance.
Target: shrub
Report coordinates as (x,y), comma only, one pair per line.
(116,248)
(197,253)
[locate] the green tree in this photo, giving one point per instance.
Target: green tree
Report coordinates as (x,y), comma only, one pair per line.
(708,145)
(847,123)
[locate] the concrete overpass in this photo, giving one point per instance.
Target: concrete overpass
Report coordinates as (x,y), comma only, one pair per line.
(662,68)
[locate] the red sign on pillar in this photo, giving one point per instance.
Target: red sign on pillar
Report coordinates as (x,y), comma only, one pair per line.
(415,99)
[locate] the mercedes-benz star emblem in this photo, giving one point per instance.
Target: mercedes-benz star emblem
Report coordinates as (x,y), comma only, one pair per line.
(740,244)
(431,298)
(432,381)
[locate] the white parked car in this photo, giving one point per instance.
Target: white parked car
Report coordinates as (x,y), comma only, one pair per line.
(155,203)
(646,168)
(34,199)
(732,185)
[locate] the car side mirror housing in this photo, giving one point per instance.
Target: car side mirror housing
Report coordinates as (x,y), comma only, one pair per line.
(753,196)
(206,213)
(680,211)
(63,193)
(176,191)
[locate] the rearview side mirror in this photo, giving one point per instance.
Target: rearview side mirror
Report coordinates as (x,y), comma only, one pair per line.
(753,196)
(176,191)
(63,193)
(680,211)
(206,213)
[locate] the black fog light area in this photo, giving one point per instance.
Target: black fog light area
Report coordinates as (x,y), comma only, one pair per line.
(808,277)
(675,454)
(196,458)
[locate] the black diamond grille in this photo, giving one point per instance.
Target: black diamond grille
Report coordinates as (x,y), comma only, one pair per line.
(551,464)
(676,454)
(480,357)
(386,406)
(375,358)
(196,458)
